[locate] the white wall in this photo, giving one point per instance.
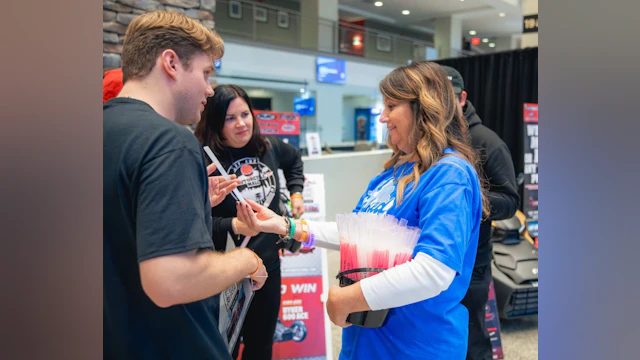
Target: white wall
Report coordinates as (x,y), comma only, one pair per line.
(273,64)
(277,64)
(504,44)
(280,101)
(346,177)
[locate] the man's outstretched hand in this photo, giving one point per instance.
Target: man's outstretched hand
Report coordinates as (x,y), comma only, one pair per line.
(219,187)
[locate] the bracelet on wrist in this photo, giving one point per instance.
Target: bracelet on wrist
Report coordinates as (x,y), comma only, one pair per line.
(234,225)
(305,231)
(312,240)
(259,263)
(288,227)
(293,228)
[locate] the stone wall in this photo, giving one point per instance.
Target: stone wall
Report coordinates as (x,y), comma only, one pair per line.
(117,14)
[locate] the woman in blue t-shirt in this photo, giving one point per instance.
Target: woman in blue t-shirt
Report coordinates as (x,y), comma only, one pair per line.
(431,181)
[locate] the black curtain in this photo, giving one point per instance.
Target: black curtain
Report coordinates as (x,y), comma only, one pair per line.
(498,85)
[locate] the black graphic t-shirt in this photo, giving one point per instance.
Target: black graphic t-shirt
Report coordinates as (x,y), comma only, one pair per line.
(155,204)
(260,183)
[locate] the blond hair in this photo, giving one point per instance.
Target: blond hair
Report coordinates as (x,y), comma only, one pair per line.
(438,122)
(151,33)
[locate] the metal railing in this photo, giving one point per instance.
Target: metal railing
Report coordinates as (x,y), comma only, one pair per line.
(285,27)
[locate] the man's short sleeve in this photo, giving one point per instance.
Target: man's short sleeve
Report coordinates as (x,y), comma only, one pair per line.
(171,208)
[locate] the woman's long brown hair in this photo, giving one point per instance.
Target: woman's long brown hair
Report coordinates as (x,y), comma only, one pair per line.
(438,122)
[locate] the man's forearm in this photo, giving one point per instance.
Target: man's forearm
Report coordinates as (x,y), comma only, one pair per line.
(193,276)
(503,205)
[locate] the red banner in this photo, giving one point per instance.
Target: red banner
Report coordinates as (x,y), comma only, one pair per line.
(278,123)
(530,113)
(300,328)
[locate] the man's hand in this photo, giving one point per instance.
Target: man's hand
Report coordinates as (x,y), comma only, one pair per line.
(219,188)
(297,207)
(260,277)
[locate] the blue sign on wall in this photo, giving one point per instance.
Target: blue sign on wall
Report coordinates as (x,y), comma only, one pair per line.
(329,70)
(305,106)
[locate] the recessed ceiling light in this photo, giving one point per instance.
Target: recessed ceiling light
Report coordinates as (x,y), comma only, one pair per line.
(472,32)
(502,14)
(378,3)
(406,12)
(485,40)
(492,45)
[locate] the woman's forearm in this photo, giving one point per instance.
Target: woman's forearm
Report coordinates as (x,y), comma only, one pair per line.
(422,278)
(325,234)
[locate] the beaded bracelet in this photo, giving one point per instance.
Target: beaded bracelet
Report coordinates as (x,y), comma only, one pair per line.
(287,230)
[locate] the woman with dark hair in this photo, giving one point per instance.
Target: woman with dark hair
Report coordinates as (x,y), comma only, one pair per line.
(230,129)
(432,182)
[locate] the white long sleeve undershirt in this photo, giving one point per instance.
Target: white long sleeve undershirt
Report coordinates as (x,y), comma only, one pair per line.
(419,279)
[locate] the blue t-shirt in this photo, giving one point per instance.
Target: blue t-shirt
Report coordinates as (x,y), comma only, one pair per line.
(447,206)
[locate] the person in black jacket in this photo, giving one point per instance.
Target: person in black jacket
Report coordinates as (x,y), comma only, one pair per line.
(229,128)
(503,195)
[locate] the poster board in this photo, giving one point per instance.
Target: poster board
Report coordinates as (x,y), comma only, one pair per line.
(492,323)
(234,304)
(530,193)
(303,330)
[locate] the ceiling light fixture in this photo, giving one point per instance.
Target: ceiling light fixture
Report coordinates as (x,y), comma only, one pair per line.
(485,40)
(378,3)
(472,32)
(406,12)
(492,45)
(502,14)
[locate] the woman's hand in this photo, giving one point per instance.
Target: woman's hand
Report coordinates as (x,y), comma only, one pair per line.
(297,206)
(262,220)
(343,301)
(337,308)
(219,188)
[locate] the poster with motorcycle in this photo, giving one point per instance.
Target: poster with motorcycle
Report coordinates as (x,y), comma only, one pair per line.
(303,330)
(300,330)
(284,125)
(530,194)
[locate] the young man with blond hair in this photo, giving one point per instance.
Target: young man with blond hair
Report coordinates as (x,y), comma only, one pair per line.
(162,276)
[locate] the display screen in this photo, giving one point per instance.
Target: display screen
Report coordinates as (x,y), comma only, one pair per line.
(329,70)
(304,106)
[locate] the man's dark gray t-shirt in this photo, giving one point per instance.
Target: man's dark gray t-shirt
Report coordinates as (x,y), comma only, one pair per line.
(155,204)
